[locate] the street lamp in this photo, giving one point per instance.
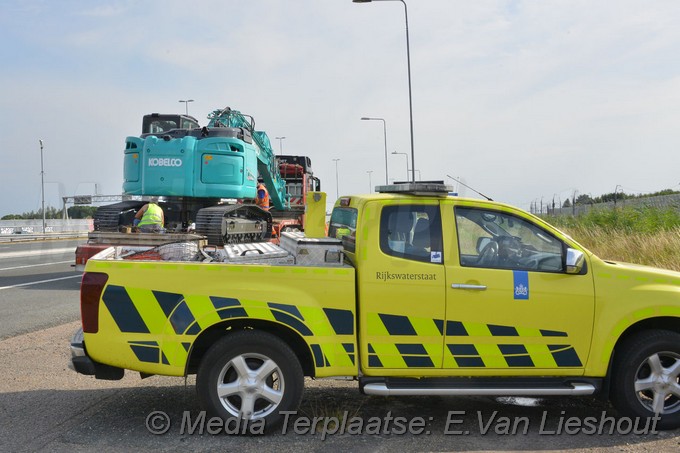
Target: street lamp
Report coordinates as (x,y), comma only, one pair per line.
(366,118)
(414,172)
(42,185)
(186,105)
(337,191)
(280,139)
(370,186)
(616,190)
(404,154)
(408,64)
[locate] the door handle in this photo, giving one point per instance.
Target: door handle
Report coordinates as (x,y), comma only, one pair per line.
(472,287)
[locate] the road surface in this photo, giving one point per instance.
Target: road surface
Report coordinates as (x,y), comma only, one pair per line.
(38,286)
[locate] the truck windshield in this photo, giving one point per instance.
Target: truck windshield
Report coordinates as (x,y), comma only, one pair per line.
(343,225)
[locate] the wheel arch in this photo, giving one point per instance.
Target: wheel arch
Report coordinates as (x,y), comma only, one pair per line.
(642,387)
(289,336)
(658,323)
(669,323)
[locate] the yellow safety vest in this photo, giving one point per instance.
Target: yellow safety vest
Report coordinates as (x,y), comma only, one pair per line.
(152,216)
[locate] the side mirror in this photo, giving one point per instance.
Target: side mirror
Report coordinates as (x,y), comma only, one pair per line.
(575,261)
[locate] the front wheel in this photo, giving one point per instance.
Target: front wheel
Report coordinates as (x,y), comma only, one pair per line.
(250,375)
(645,378)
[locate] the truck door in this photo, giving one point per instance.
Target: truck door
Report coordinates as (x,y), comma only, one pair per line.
(510,304)
(401,281)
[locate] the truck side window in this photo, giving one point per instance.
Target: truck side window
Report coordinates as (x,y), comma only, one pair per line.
(412,232)
(343,225)
(499,240)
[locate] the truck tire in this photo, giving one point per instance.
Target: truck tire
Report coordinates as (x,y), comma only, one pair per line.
(645,377)
(250,375)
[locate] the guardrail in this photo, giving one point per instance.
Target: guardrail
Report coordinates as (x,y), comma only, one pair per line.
(41,237)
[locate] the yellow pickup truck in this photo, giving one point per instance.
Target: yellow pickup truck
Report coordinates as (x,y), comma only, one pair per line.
(436,295)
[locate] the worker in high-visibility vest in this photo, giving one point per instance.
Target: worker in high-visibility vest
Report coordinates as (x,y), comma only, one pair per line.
(150,218)
(342,232)
(262,199)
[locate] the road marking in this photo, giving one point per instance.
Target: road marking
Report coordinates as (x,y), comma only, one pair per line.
(37,252)
(41,281)
(33,265)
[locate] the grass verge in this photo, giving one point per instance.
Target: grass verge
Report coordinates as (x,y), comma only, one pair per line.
(648,235)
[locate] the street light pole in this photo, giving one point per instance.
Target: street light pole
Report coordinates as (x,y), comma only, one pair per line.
(280,139)
(186,105)
(408,64)
(370,186)
(42,185)
(616,189)
(337,184)
(394,152)
(366,118)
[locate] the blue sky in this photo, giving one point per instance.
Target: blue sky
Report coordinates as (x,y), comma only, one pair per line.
(521,99)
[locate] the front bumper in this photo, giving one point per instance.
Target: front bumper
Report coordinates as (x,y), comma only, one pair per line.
(83,364)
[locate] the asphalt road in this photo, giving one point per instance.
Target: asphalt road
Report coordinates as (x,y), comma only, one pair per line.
(44,406)
(38,286)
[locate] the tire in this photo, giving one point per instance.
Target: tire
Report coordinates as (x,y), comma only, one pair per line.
(645,377)
(259,375)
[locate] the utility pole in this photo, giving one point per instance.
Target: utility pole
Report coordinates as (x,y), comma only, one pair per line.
(410,98)
(616,189)
(42,185)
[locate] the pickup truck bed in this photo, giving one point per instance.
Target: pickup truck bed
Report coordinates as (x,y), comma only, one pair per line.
(193,297)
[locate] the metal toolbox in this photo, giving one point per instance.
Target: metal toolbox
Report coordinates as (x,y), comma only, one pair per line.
(312,251)
(256,253)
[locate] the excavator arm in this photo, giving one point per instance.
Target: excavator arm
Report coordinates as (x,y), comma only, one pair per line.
(267,166)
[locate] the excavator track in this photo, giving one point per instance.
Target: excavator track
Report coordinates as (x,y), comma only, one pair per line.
(111,217)
(233,224)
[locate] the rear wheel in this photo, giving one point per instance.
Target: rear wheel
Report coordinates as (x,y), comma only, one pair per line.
(250,375)
(646,377)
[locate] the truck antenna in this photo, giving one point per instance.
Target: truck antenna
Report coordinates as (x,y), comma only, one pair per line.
(465,185)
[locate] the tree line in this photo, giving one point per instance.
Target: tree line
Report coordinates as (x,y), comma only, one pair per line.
(613,197)
(74,212)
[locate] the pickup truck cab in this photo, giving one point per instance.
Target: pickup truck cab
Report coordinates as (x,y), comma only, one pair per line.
(439,295)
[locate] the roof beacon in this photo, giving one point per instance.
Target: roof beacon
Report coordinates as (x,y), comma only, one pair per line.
(432,188)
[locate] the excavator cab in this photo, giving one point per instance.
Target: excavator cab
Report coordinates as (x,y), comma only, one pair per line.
(160,123)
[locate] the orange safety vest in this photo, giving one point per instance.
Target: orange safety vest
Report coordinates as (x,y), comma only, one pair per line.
(262,202)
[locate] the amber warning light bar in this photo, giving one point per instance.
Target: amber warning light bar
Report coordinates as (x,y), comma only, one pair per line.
(436,188)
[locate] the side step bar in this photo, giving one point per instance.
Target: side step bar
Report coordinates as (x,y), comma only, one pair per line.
(383,390)
(483,387)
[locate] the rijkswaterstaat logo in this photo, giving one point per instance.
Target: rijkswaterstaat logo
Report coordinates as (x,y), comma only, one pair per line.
(521,290)
(520,285)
